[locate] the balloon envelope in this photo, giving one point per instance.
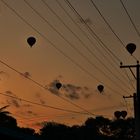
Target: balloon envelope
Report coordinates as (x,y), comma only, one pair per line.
(100,88)
(31,41)
(131,47)
(117,114)
(58,85)
(123,113)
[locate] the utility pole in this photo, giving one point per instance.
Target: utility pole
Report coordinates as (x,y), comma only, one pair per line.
(136,97)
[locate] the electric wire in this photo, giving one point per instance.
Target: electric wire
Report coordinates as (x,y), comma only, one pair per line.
(44,87)
(74,47)
(95,6)
(80,67)
(129,80)
(130,18)
(112,30)
(126,104)
(43,36)
(90,40)
(76,12)
(28,77)
(132,73)
(64,115)
(83,32)
(107,23)
(56,48)
(88,49)
(92,32)
(42,105)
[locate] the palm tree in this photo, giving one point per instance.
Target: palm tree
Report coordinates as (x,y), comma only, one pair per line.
(2,112)
(6,119)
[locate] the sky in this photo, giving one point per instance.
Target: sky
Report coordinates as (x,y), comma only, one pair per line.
(79,43)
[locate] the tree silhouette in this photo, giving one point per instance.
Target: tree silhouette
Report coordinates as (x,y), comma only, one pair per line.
(103,126)
(98,128)
(3,112)
(5,119)
(123,129)
(53,130)
(28,131)
(90,129)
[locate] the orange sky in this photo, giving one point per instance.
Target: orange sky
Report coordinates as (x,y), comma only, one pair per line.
(68,60)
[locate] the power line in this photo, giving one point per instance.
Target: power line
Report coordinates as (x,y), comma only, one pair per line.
(116,92)
(129,80)
(92,32)
(83,32)
(43,36)
(128,107)
(32,79)
(107,23)
(64,115)
(88,49)
(90,40)
(40,85)
(73,46)
(42,105)
(110,27)
(126,104)
(131,20)
(44,87)
(95,6)
(21,74)
(75,11)
(53,45)
(64,37)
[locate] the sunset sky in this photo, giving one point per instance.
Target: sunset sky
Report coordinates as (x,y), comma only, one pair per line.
(79,43)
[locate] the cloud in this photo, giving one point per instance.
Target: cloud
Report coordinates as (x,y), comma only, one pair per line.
(26,113)
(40,98)
(53,89)
(27,105)
(9,92)
(26,74)
(42,102)
(76,92)
(70,91)
(29,112)
(13,101)
(37,94)
(86,20)
(86,92)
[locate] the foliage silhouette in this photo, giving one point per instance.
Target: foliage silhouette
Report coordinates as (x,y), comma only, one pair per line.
(5,118)
(9,129)
(123,129)
(98,128)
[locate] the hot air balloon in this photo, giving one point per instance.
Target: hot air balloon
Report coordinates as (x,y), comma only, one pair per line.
(31,41)
(100,88)
(131,47)
(124,113)
(117,114)
(58,85)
